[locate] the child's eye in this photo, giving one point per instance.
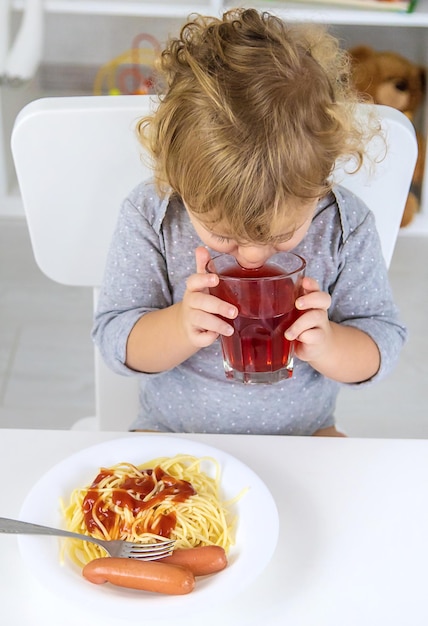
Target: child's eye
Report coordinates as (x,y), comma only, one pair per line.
(222,239)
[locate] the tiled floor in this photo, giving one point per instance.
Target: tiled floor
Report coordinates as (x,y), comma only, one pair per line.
(46,376)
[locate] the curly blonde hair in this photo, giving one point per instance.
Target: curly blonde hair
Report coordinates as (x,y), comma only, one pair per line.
(255,115)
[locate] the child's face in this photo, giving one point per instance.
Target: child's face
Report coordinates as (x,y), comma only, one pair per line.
(251,254)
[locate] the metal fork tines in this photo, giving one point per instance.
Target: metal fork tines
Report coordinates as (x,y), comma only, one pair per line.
(116,547)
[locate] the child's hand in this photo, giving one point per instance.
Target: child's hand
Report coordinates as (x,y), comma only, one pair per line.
(200,310)
(312,330)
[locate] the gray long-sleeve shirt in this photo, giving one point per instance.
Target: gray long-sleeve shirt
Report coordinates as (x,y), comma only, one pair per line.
(151,256)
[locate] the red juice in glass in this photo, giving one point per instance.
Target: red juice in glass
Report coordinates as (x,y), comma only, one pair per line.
(258,352)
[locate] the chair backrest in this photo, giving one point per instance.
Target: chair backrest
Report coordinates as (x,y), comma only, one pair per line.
(77,158)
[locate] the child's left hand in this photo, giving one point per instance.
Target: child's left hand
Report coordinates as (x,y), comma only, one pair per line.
(312,330)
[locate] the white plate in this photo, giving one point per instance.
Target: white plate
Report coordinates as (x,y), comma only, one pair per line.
(257,520)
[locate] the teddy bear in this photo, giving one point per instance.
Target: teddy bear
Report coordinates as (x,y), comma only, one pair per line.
(388,78)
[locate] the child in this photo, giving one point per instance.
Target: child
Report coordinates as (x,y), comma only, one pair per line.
(255,115)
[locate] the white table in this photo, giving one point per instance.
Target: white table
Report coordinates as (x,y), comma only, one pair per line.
(353,546)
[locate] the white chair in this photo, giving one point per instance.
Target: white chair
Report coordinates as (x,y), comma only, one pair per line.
(76,159)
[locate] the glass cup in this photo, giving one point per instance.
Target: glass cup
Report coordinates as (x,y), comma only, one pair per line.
(258,352)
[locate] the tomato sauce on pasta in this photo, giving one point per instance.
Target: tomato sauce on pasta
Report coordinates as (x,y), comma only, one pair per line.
(165,497)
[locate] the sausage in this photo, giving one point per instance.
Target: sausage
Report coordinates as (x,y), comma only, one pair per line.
(145,575)
(201,561)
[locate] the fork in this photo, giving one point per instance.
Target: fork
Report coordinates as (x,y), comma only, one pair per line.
(114,547)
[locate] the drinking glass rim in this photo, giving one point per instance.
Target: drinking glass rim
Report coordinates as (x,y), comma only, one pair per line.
(301,267)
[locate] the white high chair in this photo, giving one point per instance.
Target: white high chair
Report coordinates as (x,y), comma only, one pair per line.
(76,159)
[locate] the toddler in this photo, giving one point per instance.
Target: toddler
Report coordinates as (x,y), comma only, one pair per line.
(253,117)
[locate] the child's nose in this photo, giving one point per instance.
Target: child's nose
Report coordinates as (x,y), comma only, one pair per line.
(253,256)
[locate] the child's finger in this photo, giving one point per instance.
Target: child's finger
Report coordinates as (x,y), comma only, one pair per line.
(311,320)
(201,281)
(210,304)
(314,300)
(202,257)
(211,323)
(309,285)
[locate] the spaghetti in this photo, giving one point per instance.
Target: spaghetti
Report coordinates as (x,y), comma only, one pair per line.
(166,497)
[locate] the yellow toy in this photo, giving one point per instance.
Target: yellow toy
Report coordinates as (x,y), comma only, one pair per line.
(390,79)
(130,73)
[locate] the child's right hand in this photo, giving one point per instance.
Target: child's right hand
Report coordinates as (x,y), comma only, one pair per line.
(200,310)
